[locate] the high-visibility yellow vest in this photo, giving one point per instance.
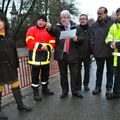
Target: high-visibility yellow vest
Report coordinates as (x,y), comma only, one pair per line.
(114,35)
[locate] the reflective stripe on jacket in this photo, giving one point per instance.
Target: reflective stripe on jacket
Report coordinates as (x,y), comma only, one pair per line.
(35,39)
(114,36)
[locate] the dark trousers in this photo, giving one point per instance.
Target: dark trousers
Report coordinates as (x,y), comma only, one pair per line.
(44,75)
(109,74)
(116,88)
(73,67)
(86,63)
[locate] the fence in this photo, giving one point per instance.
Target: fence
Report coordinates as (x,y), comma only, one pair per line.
(24,74)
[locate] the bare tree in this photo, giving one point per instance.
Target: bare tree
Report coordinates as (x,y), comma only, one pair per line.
(6,8)
(24,18)
(29,10)
(21,18)
(3,4)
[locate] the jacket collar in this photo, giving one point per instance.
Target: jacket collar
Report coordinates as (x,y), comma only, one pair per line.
(2,32)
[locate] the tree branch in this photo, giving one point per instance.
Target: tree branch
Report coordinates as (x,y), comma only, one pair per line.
(3,4)
(20,10)
(22,20)
(6,9)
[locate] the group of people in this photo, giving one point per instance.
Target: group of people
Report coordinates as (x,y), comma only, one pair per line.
(101,40)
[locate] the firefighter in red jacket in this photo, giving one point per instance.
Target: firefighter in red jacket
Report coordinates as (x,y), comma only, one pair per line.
(40,44)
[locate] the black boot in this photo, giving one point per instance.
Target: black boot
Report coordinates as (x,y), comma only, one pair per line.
(86,88)
(2,115)
(113,96)
(20,106)
(36,94)
(46,91)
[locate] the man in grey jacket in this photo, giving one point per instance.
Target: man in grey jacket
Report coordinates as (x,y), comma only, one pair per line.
(101,51)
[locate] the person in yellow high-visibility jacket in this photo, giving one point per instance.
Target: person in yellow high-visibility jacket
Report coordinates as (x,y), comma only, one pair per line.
(113,40)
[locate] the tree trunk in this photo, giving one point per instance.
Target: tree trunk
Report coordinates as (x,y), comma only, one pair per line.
(6,9)
(3,4)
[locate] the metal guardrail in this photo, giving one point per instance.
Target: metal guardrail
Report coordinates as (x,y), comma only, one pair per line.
(24,73)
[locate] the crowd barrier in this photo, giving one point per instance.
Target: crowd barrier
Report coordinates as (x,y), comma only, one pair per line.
(24,74)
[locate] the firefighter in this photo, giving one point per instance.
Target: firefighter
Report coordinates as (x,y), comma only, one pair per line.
(113,40)
(8,66)
(40,44)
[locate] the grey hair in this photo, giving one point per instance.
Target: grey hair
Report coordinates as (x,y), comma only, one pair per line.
(65,13)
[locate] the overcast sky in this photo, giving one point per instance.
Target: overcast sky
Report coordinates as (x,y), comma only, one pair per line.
(90,7)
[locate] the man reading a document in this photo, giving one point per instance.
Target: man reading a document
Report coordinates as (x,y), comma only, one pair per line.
(66,53)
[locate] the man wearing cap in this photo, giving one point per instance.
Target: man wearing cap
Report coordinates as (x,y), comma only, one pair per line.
(40,44)
(66,53)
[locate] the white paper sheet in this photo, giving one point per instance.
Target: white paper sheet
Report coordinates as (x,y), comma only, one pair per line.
(68,34)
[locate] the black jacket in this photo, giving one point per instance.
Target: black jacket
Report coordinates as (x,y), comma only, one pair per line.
(73,49)
(8,61)
(85,40)
(101,31)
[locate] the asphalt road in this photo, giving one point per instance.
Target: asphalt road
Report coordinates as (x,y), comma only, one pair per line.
(71,108)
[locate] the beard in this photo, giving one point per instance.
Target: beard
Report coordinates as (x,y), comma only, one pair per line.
(100,20)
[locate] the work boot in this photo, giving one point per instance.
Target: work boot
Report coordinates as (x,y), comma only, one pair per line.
(63,95)
(2,115)
(46,91)
(86,88)
(108,92)
(96,91)
(78,94)
(20,106)
(36,94)
(113,96)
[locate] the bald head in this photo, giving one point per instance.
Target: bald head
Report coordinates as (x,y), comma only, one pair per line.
(102,13)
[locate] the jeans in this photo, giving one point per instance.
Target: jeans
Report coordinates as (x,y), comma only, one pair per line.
(109,74)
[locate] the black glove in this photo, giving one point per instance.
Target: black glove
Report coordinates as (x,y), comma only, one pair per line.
(39,46)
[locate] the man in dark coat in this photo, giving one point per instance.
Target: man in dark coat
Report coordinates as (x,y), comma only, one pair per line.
(102,52)
(8,66)
(66,53)
(85,40)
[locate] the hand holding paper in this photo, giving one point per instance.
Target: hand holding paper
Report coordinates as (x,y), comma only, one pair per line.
(74,38)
